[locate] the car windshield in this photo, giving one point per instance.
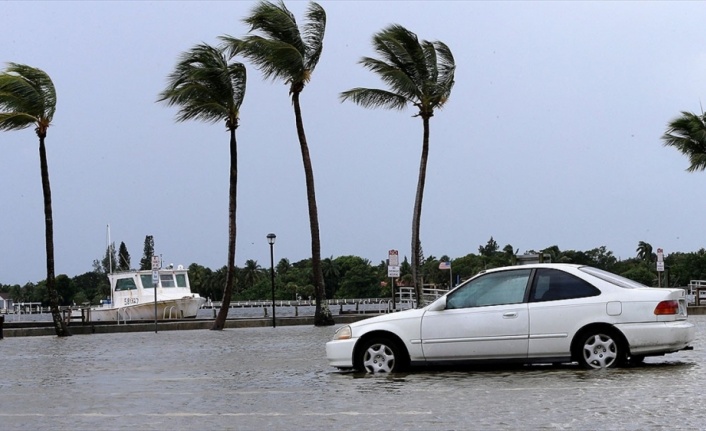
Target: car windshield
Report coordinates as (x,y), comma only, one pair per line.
(612,278)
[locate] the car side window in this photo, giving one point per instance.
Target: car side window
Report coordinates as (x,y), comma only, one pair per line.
(495,288)
(554,285)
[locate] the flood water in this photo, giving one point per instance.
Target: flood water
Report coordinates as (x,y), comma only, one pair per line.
(279,379)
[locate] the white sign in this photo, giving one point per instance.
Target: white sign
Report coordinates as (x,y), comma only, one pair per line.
(155,277)
(393,271)
(660,255)
(393,257)
(660,266)
(156,264)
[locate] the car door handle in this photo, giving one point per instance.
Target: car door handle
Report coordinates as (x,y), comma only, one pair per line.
(510,315)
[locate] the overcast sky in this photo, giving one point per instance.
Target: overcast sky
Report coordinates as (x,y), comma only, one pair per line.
(551,135)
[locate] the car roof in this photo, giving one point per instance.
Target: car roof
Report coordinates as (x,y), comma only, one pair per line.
(535,265)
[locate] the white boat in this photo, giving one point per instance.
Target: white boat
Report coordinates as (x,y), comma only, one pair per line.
(132,297)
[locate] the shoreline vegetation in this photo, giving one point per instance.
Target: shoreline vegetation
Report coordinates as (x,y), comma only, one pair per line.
(357,277)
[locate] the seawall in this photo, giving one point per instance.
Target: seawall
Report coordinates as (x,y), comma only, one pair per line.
(29,329)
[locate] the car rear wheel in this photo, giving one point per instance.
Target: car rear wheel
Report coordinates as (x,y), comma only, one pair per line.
(380,355)
(600,350)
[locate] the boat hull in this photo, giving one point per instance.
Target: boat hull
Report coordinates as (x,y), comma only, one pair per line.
(181,308)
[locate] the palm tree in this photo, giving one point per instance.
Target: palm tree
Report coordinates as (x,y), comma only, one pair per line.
(209,88)
(332,275)
(252,273)
(644,251)
(688,135)
(28,97)
(418,73)
(282,52)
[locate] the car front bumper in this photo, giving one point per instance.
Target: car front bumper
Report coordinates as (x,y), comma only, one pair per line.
(340,352)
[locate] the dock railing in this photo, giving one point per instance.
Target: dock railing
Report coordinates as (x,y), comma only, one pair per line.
(404,299)
(696,292)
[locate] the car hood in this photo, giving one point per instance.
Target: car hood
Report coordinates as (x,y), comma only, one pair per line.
(414,313)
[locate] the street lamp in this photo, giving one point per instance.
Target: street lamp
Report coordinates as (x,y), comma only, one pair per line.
(271,240)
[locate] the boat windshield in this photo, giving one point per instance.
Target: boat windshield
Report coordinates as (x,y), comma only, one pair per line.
(167,280)
(146,281)
(125,284)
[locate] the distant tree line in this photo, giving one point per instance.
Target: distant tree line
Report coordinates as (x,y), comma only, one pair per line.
(357,277)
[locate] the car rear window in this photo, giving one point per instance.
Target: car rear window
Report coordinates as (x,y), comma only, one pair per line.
(612,278)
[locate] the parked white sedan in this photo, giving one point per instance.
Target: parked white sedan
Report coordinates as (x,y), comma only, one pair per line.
(540,313)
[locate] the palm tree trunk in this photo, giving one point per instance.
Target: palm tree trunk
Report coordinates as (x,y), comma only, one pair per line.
(417,216)
(322,315)
(60,326)
(220,321)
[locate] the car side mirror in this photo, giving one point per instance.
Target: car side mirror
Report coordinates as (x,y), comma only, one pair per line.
(438,305)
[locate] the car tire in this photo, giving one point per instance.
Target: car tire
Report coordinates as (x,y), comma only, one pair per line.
(600,349)
(381,355)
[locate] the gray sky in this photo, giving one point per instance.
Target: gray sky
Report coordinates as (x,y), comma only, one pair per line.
(551,135)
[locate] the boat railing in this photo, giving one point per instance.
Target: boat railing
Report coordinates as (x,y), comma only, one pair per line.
(169,310)
(125,313)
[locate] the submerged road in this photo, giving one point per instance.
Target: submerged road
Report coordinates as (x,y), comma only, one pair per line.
(278,379)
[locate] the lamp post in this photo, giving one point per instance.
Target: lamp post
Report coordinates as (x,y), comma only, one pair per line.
(271,240)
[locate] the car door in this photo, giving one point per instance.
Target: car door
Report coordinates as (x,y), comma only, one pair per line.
(559,304)
(485,318)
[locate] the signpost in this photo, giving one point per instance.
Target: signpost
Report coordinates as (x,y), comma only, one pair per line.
(393,271)
(660,266)
(445,266)
(156,264)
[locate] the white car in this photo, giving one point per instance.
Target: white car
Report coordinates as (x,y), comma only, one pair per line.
(539,313)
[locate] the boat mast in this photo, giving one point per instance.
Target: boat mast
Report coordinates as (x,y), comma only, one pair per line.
(110,264)
(110,255)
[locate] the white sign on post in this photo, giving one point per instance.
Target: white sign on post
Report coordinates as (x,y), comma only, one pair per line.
(393,258)
(156,264)
(660,260)
(393,264)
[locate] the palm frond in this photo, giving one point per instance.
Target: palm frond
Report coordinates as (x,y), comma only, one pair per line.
(394,77)
(441,68)
(687,134)
(276,45)
(374,98)
(205,86)
(314,31)
(238,78)
(16,120)
(231,46)
(391,45)
(446,62)
(27,96)
(404,49)
(447,70)
(276,22)
(274,58)
(431,62)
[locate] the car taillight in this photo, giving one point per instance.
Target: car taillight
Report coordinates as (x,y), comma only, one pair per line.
(667,307)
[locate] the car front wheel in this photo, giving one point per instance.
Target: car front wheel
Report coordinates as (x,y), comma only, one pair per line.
(600,350)
(380,355)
